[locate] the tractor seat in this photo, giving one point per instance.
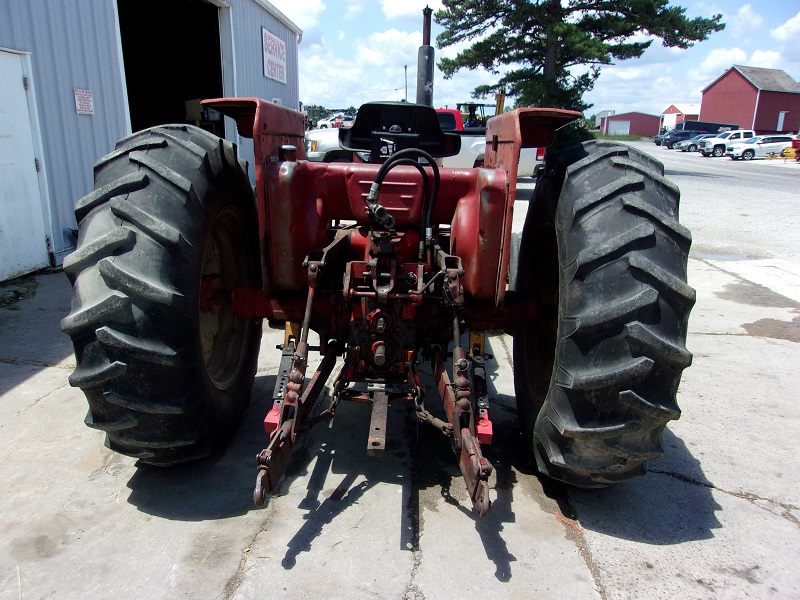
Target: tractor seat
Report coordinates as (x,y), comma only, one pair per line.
(383,128)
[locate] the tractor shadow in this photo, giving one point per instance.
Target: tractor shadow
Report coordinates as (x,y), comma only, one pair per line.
(217,487)
(418,458)
(672,504)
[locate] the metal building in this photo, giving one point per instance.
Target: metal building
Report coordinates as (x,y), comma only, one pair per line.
(76,76)
(630,123)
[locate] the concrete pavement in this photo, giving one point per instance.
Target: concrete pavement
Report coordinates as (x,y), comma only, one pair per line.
(717,517)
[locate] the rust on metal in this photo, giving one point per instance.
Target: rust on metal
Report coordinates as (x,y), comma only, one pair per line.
(377,425)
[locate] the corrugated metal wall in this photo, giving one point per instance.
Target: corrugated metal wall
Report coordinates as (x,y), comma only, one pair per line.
(75,44)
(248,17)
(72,45)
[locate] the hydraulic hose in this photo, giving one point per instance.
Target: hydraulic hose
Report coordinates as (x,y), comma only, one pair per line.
(405,157)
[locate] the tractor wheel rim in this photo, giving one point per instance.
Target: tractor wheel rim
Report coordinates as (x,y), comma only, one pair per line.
(223,335)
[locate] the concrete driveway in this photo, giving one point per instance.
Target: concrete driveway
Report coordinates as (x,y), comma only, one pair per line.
(717,517)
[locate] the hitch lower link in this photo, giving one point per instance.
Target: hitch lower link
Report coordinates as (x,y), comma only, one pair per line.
(293,403)
(290,415)
(463,423)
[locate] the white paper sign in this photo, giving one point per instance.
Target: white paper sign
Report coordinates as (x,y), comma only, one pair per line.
(84,102)
(274,56)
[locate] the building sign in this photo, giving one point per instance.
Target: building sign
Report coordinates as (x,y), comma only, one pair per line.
(274,56)
(84,102)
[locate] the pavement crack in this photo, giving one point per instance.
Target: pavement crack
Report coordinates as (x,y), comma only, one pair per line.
(413,591)
(35,402)
(507,351)
(236,579)
(721,333)
(586,555)
(784,508)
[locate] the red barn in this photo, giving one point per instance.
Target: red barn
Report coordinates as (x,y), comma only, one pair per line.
(767,100)
(677,113)
(632,123)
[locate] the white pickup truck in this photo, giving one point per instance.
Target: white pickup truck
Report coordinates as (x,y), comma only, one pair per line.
(715,146)
(323,145)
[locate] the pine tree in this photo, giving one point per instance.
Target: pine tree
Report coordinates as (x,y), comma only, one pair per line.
(542,39)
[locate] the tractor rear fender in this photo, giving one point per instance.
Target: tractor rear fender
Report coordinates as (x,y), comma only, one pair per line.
(506,135)
(271,127)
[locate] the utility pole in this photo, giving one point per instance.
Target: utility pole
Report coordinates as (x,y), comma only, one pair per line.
(405,68)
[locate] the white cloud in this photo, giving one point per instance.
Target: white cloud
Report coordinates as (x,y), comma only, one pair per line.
(649,91)
(354,9)
(620,73)
(389,47)
(303,13)
(745,21)
(721,59)
(393,9)
(766,59)
(789,31)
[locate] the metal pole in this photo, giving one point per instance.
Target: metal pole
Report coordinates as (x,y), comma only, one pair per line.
(405,68)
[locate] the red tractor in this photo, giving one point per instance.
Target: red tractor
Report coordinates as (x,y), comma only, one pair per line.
(392,261)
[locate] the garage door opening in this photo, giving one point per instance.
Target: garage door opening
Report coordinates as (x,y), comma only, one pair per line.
(172,56)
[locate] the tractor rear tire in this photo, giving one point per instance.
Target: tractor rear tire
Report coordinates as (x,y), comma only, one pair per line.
(165,364)
(597,371)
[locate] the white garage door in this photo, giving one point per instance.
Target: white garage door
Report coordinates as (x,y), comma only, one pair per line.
(23,247)
(619,127)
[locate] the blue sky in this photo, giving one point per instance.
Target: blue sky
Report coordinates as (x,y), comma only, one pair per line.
(354,51)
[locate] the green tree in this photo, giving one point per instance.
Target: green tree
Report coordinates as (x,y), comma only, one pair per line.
(542,39)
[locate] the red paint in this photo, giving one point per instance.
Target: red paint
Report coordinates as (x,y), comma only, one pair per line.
(456,115)
(272,419)
(506,134)
(770,104)
(298,201)
(730,99)
(483,428)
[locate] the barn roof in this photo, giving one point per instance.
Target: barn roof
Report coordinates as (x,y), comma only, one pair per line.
(628,114)
(684,109)
(767,80)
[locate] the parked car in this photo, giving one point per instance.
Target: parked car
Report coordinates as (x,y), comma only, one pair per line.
(336,121)
(657,139)
(759,147)
(690,145)
(716,145)
(678,135)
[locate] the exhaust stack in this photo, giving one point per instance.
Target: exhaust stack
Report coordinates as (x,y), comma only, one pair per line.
(425,62)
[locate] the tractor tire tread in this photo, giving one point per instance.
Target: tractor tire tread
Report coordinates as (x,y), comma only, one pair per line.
(622,317)
(131,320)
